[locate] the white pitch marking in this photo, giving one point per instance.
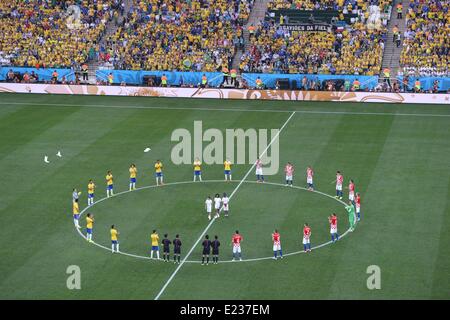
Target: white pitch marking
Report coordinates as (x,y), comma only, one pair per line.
(214,219)
(232,109)
(46,159)
(213,181)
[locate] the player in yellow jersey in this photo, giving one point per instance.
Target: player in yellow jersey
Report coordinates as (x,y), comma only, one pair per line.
(227,169)
(76,213)
(91,190)
(89,226)
(158,172)
(155,244)
(109,184)
(114,239)
(197,169)
(133,173)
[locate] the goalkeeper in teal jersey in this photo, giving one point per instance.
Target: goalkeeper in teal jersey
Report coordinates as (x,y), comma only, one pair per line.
(351,215)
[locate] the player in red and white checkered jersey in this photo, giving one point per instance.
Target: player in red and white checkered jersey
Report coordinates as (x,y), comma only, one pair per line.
(276,245)
(259,171)
(351,191)
(333,227)
(358,206)
(306,238)
(236,243)
(339,181)
(289,170)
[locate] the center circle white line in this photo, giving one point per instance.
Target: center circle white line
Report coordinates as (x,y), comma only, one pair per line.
(209,181)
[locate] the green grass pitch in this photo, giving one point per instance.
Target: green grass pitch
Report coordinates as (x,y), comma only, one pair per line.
(398,156)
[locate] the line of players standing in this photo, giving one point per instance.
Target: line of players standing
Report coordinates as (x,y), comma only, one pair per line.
(222,204)
(210,248)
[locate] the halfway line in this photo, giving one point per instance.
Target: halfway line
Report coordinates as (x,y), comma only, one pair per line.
(212,221)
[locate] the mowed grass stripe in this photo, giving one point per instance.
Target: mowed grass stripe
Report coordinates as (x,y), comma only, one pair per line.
(343,152)
(354,150)
(6,111)
(15,132)
(305,146)
(43,197)
(65,135)
(400,216)
(441,270)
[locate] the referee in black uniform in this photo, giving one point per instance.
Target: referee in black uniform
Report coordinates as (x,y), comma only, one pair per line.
(215,244)
(206,250)
(176,249)
(166,248)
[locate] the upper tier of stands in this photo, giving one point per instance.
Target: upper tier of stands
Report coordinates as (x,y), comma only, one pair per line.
(426,46)
(198,35)
(353,47)
(202,35)
(46,34)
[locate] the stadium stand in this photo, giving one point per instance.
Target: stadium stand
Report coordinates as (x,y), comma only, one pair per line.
(196,35)
(426,39)
(46,34)
(318,45)
(355,47)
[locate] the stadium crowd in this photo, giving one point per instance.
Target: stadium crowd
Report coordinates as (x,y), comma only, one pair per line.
(354,49)
(426,46)
(349,5)
(196,35)
(48,33)
(203,35)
